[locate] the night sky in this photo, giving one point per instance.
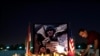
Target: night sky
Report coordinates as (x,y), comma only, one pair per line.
(16,16)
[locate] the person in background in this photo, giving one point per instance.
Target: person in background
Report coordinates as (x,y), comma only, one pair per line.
(92,38)
(42,50)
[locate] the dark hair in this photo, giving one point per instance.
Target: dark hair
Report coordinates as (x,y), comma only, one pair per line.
(49,28)
(81,30)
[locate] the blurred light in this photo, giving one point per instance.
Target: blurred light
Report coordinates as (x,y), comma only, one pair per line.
(91,46)
(78,53)
(20,47)
(7,47)
(79,46)
(15,54)
(47,54)
(5,50)
(31,47)
(1,48)
(66,53)
(61,55)
(60,49)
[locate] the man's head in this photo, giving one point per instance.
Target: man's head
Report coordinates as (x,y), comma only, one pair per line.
(83,33)
(42,49)
(50,31)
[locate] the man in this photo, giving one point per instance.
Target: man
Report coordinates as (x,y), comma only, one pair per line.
(42,50)
(92,38)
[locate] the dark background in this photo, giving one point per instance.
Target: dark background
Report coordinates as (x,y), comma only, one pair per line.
(16,16)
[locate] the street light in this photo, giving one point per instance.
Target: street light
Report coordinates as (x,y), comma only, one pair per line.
(91,46)
(1,48)
(20,47)
(7,47)
(79,46)
(31,47)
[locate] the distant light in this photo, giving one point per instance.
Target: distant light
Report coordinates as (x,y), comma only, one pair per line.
(1,48)
(91,46)
(7,47)
(20,47)
(5,50)
(79,46)
(31,47)
(15,54)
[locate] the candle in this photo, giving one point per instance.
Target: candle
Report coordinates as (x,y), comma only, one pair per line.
(57,54)
(61,55)
(38,55)
(33,55)
(54,54)
(42,54)
(47,54)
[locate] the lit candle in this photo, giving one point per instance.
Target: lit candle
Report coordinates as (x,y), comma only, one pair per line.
(42,54)
(33,55)
(47,54)
(39,55)
(61,55)
(15,54)
(57,54)
(54,54)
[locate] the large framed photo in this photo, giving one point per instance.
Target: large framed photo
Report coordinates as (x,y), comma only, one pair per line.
(51,38)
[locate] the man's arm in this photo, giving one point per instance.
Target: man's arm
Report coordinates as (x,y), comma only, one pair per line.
(95,45)
(86,50)
(88,47)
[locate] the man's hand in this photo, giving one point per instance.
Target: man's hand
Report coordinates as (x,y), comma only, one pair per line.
(93,54)
(82,53)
